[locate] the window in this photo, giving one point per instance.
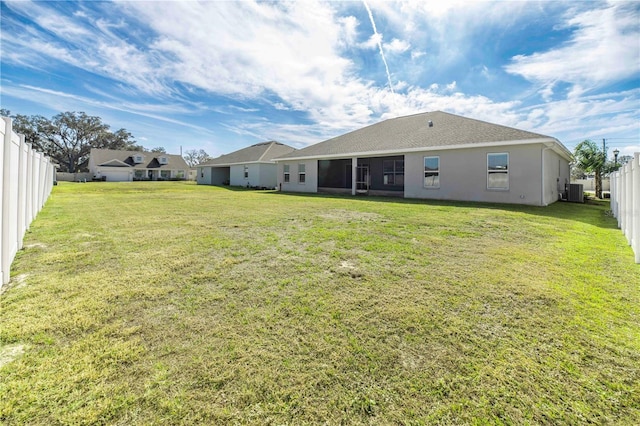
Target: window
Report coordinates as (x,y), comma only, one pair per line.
(201,173)
(246,172)
(138,174)
(393,172)
(180,174)
(432,172)
(302,174)
(138,159)
(163,160)
(287,174)
(498,171)
(165,174)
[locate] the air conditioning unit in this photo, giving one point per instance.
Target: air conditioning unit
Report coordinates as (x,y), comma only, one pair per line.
(576,194)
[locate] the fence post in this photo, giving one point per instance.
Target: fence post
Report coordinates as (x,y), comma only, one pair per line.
(22,191)
(6,191)
(635,185)
(4,126)
(36,179)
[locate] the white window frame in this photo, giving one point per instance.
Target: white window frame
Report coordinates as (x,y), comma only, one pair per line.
(434,172)
(490,172)
(302,173)
(246,171)
(286,171)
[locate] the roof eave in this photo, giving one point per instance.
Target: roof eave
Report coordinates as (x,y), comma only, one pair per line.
(429,148)
(240,163)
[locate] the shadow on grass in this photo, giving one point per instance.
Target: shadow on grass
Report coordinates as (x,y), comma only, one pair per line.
(593,212)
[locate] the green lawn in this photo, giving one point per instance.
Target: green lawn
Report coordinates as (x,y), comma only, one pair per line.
(172,303)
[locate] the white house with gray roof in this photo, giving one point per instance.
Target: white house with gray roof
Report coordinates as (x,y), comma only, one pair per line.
(122,166)
(433,155)
(252,166)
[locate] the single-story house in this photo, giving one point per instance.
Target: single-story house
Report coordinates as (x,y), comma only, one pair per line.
(433,155)
(252,166)
(122,166)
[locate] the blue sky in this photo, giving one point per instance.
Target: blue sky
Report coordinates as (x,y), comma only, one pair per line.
(220,76)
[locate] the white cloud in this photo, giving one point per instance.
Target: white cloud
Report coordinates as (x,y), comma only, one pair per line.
(246,49)
(416,54)
(294,56)
(602,49)
(349,27)
(396,46)
(372,42)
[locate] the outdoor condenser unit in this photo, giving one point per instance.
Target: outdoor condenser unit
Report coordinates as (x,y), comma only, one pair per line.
(576,194)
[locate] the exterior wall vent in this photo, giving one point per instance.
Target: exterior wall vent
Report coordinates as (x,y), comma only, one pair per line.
(430,123)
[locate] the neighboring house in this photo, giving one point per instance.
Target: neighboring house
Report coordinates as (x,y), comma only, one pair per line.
(434,155)
(121,166)
(252,166)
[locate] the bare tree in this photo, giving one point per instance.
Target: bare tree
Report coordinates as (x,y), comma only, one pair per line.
(193,157)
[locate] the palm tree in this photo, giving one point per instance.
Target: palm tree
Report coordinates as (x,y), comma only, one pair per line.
(591,159)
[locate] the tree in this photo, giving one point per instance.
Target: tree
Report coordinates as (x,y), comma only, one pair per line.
(69,136)
(159,150)
(25,125)
(591,159)
(120,140)
(193,157)
(624,159)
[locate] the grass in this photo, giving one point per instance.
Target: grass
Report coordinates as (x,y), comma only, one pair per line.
(172,303)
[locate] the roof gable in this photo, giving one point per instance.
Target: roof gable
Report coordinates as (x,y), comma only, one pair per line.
(263,152)
(113,157)
(114,163)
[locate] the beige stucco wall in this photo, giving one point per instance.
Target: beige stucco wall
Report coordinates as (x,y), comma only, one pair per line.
(311,184)
(556,175)
(268,175)
(203,176)
(463,175)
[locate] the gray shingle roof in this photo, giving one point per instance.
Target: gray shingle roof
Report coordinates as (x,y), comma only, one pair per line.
(414,132)
(263,152)
(106,157)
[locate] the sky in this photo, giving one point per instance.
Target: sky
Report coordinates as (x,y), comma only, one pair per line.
(223,75)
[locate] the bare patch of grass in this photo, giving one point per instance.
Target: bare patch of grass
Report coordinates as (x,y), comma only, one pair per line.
(201,305)
(10,352)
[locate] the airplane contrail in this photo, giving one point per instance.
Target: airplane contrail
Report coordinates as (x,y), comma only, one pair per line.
(379,40)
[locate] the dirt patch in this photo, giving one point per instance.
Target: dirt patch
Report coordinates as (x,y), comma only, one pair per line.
(35,245)
(347,265)
(16,282)
(10,352)
(351,215)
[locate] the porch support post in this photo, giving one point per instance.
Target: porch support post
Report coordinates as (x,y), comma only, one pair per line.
(354,174)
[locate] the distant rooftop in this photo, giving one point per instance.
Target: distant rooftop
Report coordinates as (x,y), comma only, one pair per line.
(263,152)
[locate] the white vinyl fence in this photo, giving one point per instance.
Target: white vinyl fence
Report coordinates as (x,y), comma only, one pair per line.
(625,201)
(26,178)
